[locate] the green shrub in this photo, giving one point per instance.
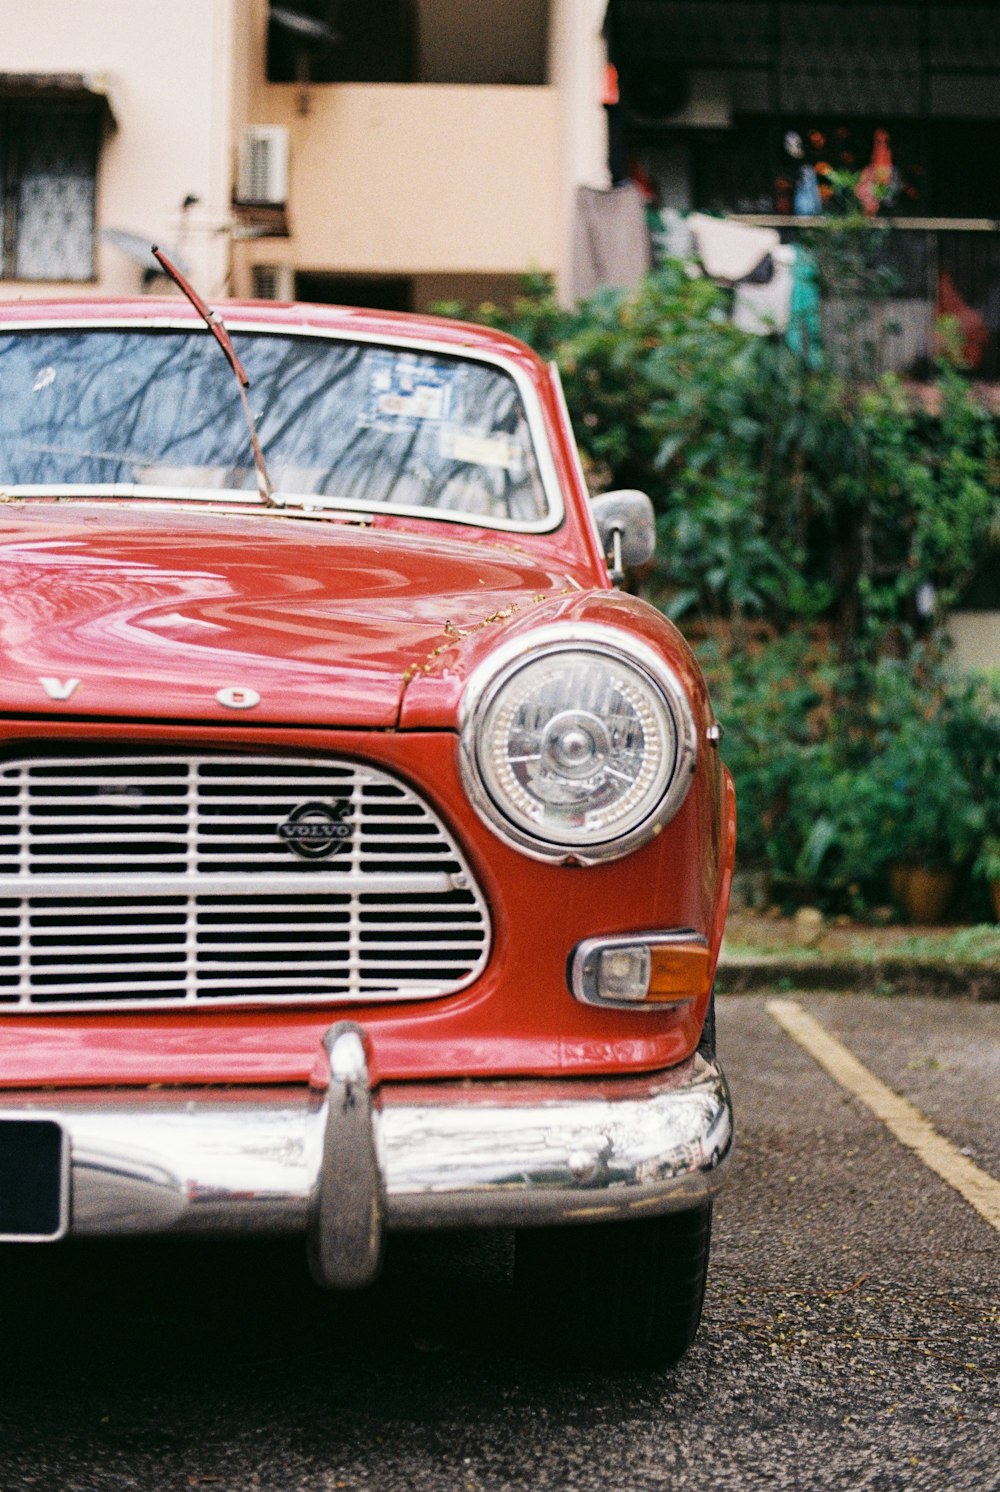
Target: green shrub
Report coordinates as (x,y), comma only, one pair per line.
(819,527)
(783,493)
(842,772)
(774,698)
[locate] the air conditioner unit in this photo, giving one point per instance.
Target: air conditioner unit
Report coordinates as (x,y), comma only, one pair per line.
(273,282)
(262,174)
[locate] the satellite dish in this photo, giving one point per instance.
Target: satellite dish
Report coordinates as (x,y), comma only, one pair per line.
(310,39)
(139,248)
(307,31)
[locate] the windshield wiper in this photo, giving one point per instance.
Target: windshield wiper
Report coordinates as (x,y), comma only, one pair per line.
(217,327)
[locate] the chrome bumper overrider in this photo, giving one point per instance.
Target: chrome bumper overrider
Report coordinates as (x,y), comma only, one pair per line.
(341,1162)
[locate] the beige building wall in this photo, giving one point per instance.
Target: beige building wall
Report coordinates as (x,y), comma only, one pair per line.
(432,180)
(168,71)
(411,179)
(438,179)
(415,179)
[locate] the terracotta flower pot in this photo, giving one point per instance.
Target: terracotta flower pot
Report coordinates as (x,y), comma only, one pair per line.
(899,875)
(926,892)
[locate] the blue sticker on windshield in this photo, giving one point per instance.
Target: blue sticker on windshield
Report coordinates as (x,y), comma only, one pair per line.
(405,393)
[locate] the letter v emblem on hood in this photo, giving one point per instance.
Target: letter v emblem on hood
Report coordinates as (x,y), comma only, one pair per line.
(59,688)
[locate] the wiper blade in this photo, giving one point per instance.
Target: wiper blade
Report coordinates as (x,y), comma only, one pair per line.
(217,327)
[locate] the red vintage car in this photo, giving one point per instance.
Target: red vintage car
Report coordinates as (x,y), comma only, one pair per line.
(364,852)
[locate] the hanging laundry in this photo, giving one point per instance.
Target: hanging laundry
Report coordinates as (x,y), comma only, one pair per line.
(730,251)
(805,326)
(610,239)
(765,309)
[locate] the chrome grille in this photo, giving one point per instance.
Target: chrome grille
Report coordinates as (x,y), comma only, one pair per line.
(147,880)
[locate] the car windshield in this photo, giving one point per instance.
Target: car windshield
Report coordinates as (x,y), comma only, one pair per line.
(365,425)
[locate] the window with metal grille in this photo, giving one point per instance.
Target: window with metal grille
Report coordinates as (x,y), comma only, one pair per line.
(48,165)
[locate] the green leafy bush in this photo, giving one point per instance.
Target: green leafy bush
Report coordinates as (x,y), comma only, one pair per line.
(782,493)
(814,529)
(844,772)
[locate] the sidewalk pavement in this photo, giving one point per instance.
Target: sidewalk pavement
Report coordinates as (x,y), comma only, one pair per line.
(810,952)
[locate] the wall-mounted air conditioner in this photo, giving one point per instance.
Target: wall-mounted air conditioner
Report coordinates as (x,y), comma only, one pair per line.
(262,168)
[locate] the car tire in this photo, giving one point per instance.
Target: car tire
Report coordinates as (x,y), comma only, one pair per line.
(615,1294)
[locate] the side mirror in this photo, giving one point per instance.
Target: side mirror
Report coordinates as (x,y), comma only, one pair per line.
(627,526)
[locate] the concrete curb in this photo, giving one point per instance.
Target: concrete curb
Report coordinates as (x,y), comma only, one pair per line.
(943,979)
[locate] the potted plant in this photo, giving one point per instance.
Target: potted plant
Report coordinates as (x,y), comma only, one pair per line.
(932,820)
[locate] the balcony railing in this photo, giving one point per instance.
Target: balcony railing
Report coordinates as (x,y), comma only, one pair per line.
(936,267)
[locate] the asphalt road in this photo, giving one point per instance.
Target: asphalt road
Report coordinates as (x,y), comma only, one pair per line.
(849,1341)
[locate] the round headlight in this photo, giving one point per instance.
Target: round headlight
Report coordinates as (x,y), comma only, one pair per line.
(578,744)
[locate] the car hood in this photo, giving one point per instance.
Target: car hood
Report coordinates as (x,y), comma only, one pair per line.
(107,610)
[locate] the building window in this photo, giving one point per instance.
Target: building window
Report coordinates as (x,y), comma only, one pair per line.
(376,292)
(409,41)
(362,41)
(48,161)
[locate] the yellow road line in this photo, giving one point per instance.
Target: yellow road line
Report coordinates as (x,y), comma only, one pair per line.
(900,1116)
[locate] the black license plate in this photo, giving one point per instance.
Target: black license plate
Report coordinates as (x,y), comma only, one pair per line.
(34,1180)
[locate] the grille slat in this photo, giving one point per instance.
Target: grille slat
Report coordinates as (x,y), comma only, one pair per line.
(169,883)
(145,880)
(54,821)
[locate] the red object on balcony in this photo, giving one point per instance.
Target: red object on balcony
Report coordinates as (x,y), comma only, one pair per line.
(877,177)
(974,332)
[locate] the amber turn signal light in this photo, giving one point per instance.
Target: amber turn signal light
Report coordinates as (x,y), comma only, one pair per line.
(678,973)
(641,970)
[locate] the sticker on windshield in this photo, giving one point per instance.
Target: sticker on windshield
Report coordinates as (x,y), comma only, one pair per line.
(479,450)
(404,393)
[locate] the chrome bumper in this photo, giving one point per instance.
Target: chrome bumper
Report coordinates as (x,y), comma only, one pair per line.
(342,1162)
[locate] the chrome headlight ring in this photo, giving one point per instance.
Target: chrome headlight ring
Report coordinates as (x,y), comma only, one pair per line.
(578,743)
